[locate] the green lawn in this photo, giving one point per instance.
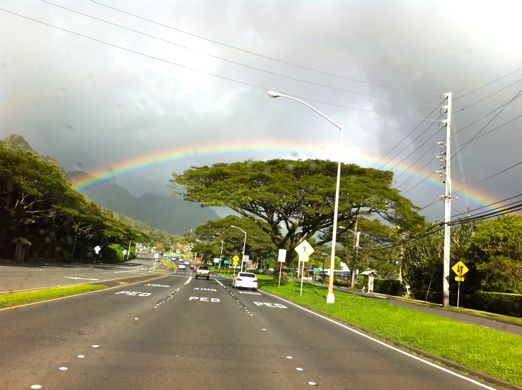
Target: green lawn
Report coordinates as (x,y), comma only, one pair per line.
(495,353)
(22,297)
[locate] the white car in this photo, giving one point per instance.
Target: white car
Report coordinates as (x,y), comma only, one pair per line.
(245,280)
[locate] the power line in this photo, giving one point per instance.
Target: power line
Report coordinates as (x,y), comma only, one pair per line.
(237,63)
(500,107)
(250,52)
(246,83)
(485,206)
(490,83)
(405,137)
(518,94)
(490,95)
(389,160)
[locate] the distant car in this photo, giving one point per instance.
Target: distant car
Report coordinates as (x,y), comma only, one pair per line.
(245,280)
(203,271)
(181,266)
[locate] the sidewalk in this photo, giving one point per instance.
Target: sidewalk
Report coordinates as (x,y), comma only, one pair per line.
(440,311)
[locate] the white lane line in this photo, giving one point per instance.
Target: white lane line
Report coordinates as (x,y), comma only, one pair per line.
(300,369)
(80,356)
(384,344)
(36,387)
(78,278)
(221,284)
(188,281)
(63,368)
(95,346)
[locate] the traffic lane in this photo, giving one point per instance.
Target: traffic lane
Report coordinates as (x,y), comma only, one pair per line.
(13,278)
(37,339)
(338,357)
(202,338)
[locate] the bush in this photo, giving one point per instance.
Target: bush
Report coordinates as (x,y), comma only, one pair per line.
(113,253)
(493,302)
(390,287)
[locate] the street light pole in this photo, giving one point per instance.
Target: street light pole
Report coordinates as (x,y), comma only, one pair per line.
(244,245)
(330,298)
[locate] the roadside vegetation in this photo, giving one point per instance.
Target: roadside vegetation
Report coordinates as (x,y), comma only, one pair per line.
(492,352)
(43,218)
(9,299)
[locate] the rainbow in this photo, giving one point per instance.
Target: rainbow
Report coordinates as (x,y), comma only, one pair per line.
(225,152)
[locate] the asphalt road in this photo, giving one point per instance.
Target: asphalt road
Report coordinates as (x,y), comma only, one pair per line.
(179,333)
(15,278)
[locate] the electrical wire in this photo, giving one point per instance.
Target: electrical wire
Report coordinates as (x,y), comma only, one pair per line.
(490,83)
(405,137)
(237,63)
(490,95)
(250,52)
(246,83)
(474,137)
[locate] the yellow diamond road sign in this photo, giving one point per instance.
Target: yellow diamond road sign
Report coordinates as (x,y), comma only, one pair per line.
(235,260)
(460,269)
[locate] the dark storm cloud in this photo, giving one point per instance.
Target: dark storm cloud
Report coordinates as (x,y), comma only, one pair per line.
(91,104)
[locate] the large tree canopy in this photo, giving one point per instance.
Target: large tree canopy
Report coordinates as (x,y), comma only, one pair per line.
(295,199)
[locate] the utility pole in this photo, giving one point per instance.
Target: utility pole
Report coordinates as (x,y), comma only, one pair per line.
(356,236)
(447,205)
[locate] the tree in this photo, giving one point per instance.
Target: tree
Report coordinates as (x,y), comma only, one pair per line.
(293,200)
(494,255)
(207,239)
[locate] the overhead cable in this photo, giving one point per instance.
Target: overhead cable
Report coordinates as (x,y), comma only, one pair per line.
(237,63)
(260,55)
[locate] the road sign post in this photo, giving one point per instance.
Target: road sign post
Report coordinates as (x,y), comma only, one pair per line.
(460,269)
(304,250)
(281,259)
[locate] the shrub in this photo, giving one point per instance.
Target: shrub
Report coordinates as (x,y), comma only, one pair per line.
(494,302)
(387,286)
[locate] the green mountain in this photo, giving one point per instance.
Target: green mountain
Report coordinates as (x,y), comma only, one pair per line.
(170,213)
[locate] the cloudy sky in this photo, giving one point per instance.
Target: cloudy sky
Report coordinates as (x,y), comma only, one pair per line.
(165,85)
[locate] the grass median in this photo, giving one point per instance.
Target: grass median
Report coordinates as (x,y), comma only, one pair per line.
(10,299)
(492,352)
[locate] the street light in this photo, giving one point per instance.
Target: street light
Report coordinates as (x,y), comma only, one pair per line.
(330,298)
(244,245)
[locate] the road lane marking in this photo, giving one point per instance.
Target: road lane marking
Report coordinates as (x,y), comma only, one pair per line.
(249,293)
(270,304)
(419,359)
(205,299)
(78,278)
(188,281)
(299,369)
(221,284)
(157,285)
(63,368)
(312,383)
(134,293)
(204,289)
(95,346)
(36,387)
(80,356)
